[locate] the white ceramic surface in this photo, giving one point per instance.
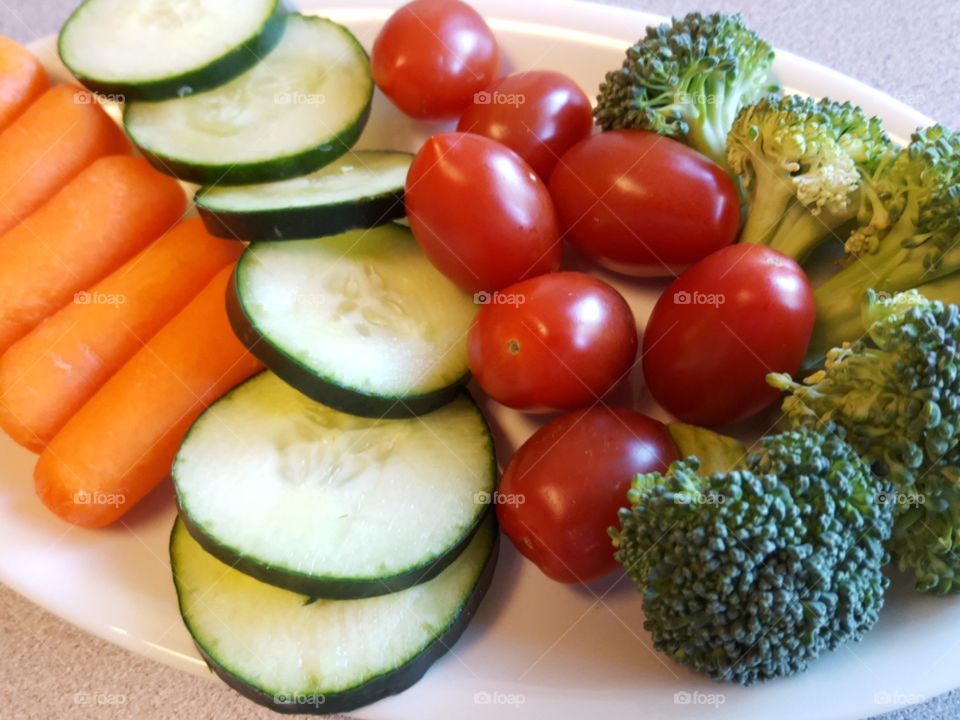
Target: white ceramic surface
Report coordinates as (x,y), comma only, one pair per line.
(537,649)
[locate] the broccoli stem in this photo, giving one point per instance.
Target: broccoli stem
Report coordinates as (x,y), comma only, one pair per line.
(708,134)
(840,325)
(715,452)
(801,231)
(766,211)
(838,320)
(913,271)
(946,289)
(892,269)
(839,298)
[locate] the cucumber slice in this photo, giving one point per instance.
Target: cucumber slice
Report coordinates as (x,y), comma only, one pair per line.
(313,500)
(362,189)
(160,49)
(330,656)
(300,108)
(361,321)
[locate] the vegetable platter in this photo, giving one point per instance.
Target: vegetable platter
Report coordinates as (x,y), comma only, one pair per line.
(340,517)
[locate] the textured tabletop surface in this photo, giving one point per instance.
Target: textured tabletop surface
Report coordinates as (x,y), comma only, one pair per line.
(907,48)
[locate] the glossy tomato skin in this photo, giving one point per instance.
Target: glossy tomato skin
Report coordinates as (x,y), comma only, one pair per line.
(565,484)
(554,342)
(540,114)
(643,204)
(432,56)
(720,327)
(480,213)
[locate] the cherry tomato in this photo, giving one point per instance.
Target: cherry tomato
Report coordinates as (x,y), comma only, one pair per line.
(480,213)
(540,114)
(564,486)
(554,342)
(431,56)
(720,327)
(643,204)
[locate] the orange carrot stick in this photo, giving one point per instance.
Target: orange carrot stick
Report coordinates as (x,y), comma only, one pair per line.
(49,374)
(122,443)
(22,80)
(52,140)
(104,216)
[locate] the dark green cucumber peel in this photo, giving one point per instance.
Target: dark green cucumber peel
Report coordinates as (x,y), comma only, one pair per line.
(331,588)
(381,686)
(217,72)
(323,390)
(301,223)
(269,170)
(305,221)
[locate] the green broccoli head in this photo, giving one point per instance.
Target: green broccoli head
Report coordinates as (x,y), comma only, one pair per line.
(910,197)
(937,150)
(908,233)
(897,394)
(801,162)
(687,80)
(751,574)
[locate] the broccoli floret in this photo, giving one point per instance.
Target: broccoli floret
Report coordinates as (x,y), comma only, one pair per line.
(687,80)
(800,161)
(908,234)
(897,394)
(751,574)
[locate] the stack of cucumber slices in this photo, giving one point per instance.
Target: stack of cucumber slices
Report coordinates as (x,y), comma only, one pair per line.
(325,555)
(335,533)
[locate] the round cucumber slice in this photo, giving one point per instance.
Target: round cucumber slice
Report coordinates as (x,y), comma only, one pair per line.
(161,49)
(361,321)
(292,655)
(328,504)
(300,108)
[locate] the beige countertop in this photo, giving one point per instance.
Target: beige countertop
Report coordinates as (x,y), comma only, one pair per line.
(48,667)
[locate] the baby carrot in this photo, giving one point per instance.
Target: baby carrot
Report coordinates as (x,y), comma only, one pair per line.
(52,140)
(122,443)
(22,80)
(50,373)
(105,215)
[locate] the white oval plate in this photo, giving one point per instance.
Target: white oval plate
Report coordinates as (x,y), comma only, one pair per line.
(537,648)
